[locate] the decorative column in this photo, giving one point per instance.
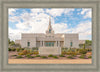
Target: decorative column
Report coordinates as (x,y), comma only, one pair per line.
(40,43)
(56,44)
(43,44)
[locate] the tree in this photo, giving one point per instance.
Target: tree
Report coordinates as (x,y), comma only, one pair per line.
(12,43)
(88,43)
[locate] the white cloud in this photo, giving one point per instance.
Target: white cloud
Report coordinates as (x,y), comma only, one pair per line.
(11,10)
(60,27)
(84,29)
(87,12)
(68,10)
(37,22)
(14,19)
(58,12)
(55,12)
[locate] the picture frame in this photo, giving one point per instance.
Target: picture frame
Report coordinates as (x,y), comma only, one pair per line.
(5,4)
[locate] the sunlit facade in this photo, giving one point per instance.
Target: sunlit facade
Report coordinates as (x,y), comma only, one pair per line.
(49,39)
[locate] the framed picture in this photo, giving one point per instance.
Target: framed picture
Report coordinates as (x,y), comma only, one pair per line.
(49,35)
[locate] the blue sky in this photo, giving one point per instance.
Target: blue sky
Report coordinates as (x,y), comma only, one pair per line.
(63,20)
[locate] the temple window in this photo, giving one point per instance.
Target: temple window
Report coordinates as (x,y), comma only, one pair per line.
(49,30)
(71,44)
(28,44)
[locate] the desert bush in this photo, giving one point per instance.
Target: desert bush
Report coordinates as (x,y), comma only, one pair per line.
(14,55)
(55,57)
(82,51)
(17,49)
(37,56)
(82,56)
(63,52)
(24,52)
(89,49)
(21,53)
(89,56)
(29,56)
(70,57)
(31,51)
(36,52)
(50,55)
(71,53)
(61,55)
(43,57)
(35,48)
(19,56)
(9,49)
(13,49)
(22,48)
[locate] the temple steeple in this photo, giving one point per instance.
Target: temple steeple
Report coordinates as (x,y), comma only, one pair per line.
(49,30)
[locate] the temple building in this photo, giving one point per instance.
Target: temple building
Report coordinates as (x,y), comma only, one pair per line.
(49,39)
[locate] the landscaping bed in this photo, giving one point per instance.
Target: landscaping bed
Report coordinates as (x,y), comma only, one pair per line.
(25,53)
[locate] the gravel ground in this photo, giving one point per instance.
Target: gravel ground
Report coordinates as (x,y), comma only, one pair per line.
(50,61)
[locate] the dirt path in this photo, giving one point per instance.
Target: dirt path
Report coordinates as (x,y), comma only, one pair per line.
(51,61)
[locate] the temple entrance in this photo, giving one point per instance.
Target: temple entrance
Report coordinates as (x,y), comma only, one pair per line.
(48,44)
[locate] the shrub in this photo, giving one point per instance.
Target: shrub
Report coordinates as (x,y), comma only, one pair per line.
(43,57)
(36,52)
(9,49)
(37,56)
(71,53)
(21,53)
(31,51)
(63,52)
(89,56)
(18,49)
(82,56)
(55,57)
(83,51)
(29,56)
(70,57)
(22,48)
(50,55)
(61,55)
(14,55)
(35,49)
(13,49)
(19,56)
(24,52)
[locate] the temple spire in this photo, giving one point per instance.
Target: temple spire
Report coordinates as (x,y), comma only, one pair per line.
(49,20)
(49,30)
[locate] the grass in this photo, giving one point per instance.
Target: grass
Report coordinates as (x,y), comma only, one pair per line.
(55,57)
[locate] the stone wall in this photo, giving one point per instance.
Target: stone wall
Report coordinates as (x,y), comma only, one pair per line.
(68,38)
(49,50)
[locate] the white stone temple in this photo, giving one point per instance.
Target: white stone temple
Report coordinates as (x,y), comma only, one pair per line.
(49,39)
